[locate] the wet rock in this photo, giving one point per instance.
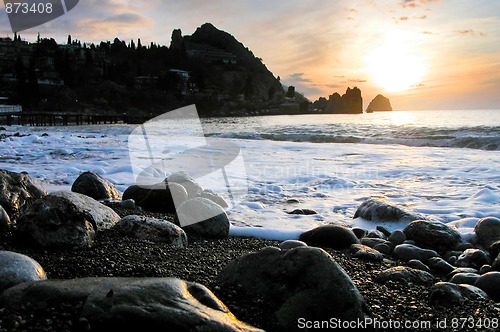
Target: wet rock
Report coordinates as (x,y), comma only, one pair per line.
(203,217)
(440,265)
(375,235)
(405,274)
(364,252)
(95,186)
(407,252)
(17,268)
(330,236)
(214,197)
(64,219)
(449,294)
(360,232)
(193,189)
(461,270)
(290,244)
(160,304)
(474,258)
(487,231)
(5,222)
(378,210)
(18,189)
(128,204)
(298,284)
(306,212)
(465,278)
(384,230)
(293,201)
(432,235)
(397,237)
(485,269)
(383,248)
(490,284)
(496,264)
(152,229)
(372,242)
(157,198)
(416,264)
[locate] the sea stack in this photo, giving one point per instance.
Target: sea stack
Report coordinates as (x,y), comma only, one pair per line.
(379,104)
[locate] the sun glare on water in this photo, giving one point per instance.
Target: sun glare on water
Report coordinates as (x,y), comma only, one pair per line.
(394,67)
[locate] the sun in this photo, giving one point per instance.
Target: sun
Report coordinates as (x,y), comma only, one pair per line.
(394,68)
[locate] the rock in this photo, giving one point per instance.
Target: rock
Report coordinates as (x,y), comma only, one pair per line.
(465,278)
(496,264)
(366,253)
(379,104)
(384,248)
(432,235)
(490,284)
(64,219)
(397,237)
(203,217)
(349,103)
(372,242)
(407,252)
(375,235)
(290,244)
(485,269)
(95,186)
(303,282)
(153,304)
(359,232)
(17,268)
(405,274)
(16,190)
(293,201)
(494,248)
(152,229)
(303,212)
(449,294)
(378,210)
(330,236)
(193,189)
(128,204)
(3,129)
(157,198)
(461,270)
(474,258)
(384,230)
(487,231)
(214,197)
(416,264)
(440,265)
(5,222)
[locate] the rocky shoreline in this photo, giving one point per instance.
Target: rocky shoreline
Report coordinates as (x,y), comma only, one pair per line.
(390,277)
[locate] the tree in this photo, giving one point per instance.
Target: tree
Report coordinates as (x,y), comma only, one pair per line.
(271,92)
(69,40)
(291,92)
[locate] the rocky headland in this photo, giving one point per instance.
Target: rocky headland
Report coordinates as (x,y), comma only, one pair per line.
(379,104)
(85,261)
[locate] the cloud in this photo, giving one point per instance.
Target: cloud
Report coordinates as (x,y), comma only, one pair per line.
(470,32)
(298,78)
(416,3)
(357,80)
(404,18)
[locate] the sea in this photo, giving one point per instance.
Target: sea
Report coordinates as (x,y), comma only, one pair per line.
(442,165)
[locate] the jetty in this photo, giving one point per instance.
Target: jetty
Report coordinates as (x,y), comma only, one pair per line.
(65,119)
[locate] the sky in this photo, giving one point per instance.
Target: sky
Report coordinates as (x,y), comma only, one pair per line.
(422,54)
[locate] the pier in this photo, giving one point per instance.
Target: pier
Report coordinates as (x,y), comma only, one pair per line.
(64,119)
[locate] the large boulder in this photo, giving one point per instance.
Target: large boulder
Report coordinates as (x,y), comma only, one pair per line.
(152,229)
(432,235)
(330,236)
(64,219)
(450,294)
(405,275)
(154,304)
(17,189)
(490,284)
(5,222)
(302,282)
(157,198)
(17,268)
(487,231)
(378,210)
(203,217)
(95,186)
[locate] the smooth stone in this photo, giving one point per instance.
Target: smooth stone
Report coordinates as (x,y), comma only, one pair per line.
(5,222)
(416,264)
(474,258)
(432,235)
(485,269)
(440,265)
(494,248)
(372,242)
(330,236)
(487,231)
(359,232)
(490,284)
(378,210)
(157,198)
(384,230)
(128,204)
(375,234)
(64,220)
(203,217)
(214,197)
(461,247)
(17,268)
(17,190)
(403,274)
(448,294)
(461,270)
(290,244)
(384,248)
(496,263)
(306,212)
(303,282)
(465,278)
(364,252)
(407,252)
(409,242)
(293,201)
(452,260)
(152,229)
(130,304)
(397,237)
(95,186)
(193,189)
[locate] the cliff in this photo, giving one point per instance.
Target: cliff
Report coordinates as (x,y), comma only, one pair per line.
(379,104)
(349,103)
